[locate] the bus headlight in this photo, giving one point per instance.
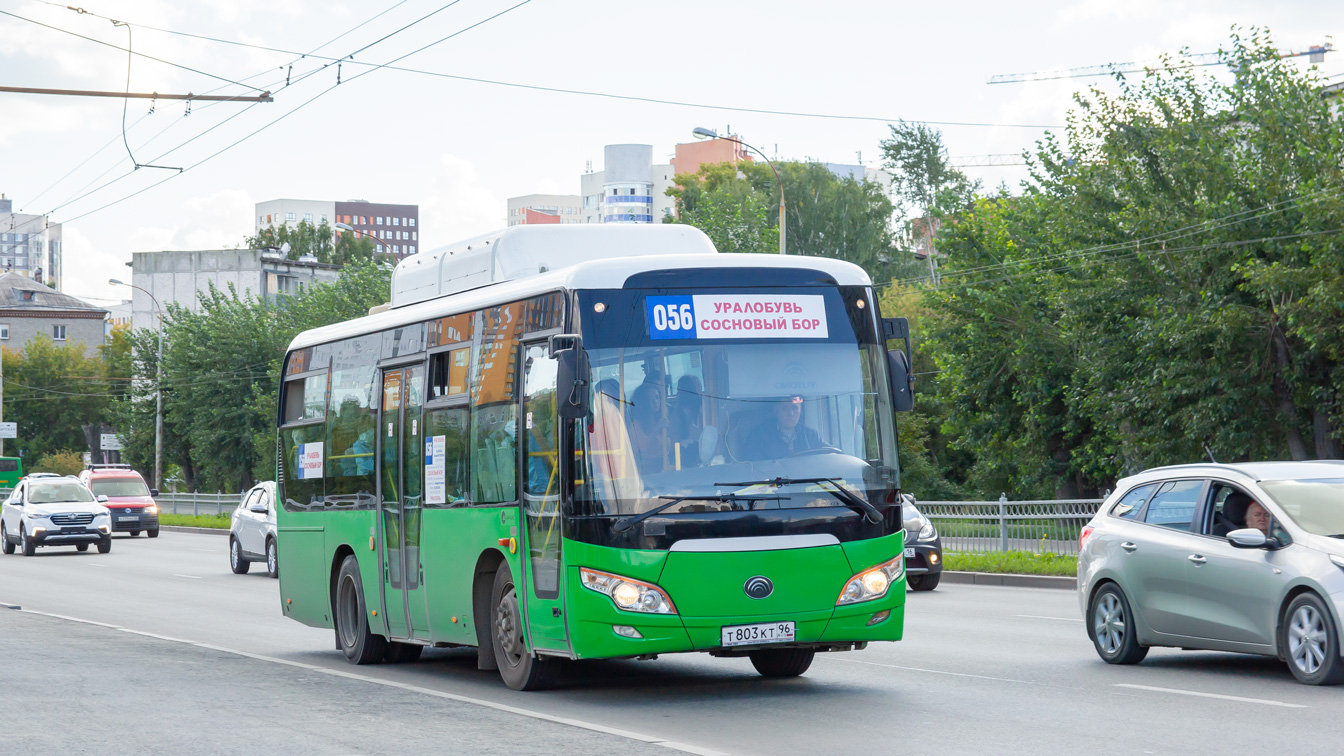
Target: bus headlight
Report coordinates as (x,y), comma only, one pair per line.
(872,583)
(626,593)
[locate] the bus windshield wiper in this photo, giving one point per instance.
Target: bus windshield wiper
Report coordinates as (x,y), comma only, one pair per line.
(845,496)
(625,523)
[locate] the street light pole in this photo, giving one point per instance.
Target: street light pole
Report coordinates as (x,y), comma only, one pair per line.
(387,248)
(701,132)
(158,389)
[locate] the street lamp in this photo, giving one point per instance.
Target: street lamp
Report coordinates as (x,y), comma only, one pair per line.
(387,248)
(700,132)
(158,390)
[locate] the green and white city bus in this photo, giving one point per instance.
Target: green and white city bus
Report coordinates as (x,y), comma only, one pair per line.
(567,442)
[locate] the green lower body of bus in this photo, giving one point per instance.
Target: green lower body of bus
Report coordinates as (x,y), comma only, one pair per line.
(459,546)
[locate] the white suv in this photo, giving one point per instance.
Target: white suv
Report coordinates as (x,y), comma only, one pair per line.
(252,530)
(47,510)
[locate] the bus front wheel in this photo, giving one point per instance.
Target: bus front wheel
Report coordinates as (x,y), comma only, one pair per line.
(356,639)
(782,662)
(520,669)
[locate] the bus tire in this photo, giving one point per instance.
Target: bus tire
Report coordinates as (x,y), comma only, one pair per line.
(519,668)
(782,662)
(359,644)
(402,653)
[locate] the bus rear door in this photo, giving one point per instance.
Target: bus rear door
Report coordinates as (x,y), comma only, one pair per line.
(401,484)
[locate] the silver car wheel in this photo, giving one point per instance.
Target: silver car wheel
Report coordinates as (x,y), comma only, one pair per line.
(1307,638)
(1108,623)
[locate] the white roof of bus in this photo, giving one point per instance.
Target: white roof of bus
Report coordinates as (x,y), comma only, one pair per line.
(594,274)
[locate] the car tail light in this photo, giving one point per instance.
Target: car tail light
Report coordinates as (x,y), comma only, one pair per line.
(1082,539)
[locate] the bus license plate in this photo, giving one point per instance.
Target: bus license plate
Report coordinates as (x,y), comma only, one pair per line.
(765,632)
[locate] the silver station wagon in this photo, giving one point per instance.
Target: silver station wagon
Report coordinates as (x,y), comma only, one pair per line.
(1246,558)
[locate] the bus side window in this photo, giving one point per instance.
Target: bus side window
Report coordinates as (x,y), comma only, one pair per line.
(447,456)
(302,439)
(352,425)
(494,417)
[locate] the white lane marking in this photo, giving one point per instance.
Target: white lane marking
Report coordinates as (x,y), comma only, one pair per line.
(1178,691)
(96,564)
(1038,616)
(937,671)
(193,577)
(579,723)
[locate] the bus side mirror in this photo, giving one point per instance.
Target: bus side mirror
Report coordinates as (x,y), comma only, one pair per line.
(902,382)
(572,376)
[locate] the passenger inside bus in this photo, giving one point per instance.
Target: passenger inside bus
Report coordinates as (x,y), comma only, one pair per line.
(648,427)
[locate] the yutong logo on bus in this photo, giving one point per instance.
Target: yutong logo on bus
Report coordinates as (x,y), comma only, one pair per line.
(759,587)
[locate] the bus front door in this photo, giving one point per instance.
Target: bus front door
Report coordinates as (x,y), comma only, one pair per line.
(541,501)
(401,486)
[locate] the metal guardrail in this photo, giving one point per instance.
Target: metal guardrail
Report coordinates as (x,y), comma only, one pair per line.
(1049,526)
(196,503)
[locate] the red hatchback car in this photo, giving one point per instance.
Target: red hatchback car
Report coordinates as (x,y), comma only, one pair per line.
(128,498)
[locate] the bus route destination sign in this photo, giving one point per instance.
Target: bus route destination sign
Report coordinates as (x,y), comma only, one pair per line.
(310,461)
(737,316)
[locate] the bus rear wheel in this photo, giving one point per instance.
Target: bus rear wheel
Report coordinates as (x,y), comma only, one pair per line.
(782,662)
(353,635)
(520,669)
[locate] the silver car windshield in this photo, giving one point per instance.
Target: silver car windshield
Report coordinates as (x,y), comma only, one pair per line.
(1316,506)
(711,421)
(58,491)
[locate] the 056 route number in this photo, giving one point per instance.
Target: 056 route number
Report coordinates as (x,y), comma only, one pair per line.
(673,317)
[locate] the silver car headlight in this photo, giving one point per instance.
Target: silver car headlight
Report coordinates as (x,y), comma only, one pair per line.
(927,532)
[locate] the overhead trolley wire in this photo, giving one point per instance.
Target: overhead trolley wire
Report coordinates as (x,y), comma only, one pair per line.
(302,105)
(589,93)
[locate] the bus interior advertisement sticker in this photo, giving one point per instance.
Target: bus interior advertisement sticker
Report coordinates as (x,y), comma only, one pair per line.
(435,490)
(737,316)
(310,461)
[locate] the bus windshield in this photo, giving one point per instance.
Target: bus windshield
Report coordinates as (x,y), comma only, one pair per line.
(734,426)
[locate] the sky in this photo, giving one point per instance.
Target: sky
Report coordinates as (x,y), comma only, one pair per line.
(460,148)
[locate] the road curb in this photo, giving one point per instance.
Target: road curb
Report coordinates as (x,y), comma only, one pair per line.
(1015,581)
(185,529)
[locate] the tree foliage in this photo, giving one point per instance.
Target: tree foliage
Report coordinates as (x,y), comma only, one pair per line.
(1166,288)
(52,391)
(221,368)
(319,241)
(737,206)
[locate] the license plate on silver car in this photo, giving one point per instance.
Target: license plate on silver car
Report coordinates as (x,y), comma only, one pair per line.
(765,632)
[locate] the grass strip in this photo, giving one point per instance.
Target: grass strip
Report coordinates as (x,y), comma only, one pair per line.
(1012,563)
(220,521)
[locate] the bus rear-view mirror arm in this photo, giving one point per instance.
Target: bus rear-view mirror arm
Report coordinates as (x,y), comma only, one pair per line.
(572,375)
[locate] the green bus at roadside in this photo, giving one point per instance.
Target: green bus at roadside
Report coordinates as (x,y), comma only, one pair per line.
(598,442)
(11,470)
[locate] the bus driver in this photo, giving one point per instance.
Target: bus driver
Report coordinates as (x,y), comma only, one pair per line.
(783,434)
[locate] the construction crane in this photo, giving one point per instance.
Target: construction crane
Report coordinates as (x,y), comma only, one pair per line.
(986,161)
(1317,53)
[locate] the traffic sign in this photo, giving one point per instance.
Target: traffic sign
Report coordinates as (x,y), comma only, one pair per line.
(9,430)
(109,442)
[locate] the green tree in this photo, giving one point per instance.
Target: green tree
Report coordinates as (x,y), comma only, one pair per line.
(1166,288)
(319,241)
(827,216)
(51,392)
(61,462)
(221,368)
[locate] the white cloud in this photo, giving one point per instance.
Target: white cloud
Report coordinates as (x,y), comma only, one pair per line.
(458,207)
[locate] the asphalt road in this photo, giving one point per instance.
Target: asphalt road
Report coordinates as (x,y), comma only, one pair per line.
(191,658)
